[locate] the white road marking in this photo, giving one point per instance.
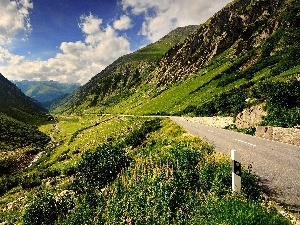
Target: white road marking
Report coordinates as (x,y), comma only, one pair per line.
(210,131)
(246,142)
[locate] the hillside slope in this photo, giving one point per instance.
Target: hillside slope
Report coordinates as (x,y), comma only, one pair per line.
(122,78)
(246,54)
(17,105)
(20,139)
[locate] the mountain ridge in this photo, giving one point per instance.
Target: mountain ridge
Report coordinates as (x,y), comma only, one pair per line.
(127,71)
(45,91)
(220,68)
(14,103)
(234,24)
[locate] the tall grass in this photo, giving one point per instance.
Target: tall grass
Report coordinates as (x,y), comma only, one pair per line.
(171,178)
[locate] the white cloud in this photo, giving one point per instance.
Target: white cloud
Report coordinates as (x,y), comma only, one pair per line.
(163,16)
(14,17)
(124,23)
(81,60)
(90,24)
(77,62)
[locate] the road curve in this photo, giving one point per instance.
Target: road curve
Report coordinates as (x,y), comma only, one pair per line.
(277,164)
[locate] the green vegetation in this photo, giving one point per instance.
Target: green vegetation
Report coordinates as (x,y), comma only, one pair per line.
(249,130)
(164,177)
(225,79)
(106,169)
(15,134)
(19,142)
(282,101)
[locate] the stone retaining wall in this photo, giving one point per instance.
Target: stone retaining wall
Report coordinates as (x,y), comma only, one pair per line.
(286,135)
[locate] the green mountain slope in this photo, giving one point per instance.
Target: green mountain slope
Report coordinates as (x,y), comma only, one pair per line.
(122,78)
(17,105)
(221,68)
(45,91)
(20,139)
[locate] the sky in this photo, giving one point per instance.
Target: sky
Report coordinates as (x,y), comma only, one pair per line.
(71,41)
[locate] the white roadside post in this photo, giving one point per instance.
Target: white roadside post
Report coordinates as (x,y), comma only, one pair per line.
(236,172)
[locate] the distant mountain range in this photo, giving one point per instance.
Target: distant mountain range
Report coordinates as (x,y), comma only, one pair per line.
(248,53)
(45,91)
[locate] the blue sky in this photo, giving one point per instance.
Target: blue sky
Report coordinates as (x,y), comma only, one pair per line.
(73,40)
(55,22)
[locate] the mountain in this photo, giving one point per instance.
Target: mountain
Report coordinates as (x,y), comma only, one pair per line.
(20,139)
(45,91)
(14,103)
(104,169)
(121,79)
(248,53)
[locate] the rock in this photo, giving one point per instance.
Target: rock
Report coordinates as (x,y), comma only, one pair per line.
(250,117)
(286,135)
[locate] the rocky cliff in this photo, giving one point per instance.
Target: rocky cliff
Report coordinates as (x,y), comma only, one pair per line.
(241,26)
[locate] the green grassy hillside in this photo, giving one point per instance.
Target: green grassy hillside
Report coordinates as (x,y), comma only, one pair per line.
(19,142)
(122,78)
(17,105)
(122,170)
(220,69)
(20,138)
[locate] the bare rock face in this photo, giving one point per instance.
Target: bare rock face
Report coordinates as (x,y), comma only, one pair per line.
(250,117)
(239,26)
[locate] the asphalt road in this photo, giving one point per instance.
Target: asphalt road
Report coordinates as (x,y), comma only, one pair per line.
(277,164)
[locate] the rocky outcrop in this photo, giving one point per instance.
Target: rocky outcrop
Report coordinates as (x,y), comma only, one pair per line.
(239,26)
(250,117)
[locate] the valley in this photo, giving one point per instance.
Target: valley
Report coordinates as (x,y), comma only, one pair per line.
(115,150)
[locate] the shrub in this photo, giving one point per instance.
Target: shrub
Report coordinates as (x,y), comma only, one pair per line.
(8,182)
(42,211)
(282,101)
(97,169)
(31,180)
(47,209)
(137,136)
(248,130)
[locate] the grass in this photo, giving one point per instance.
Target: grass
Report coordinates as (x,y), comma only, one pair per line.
(172,178)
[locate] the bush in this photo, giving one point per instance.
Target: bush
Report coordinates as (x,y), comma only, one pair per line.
(248,130)
(137,137)
(31,180)
(47,209)
(41,212)
(282,101)
(97,169)
(8,182)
